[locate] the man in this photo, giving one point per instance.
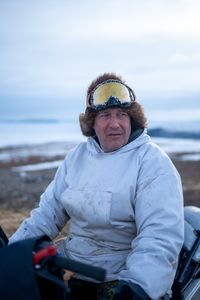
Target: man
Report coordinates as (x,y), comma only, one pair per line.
(124,199)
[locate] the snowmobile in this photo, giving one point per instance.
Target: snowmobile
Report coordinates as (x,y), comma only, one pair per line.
(32,269)
(186,285)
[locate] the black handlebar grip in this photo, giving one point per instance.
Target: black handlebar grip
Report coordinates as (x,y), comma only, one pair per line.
(81,268)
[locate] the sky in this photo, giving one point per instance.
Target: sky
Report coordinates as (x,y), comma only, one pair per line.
(50,51)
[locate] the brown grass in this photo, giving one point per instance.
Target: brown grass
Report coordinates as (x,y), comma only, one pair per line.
(11,220)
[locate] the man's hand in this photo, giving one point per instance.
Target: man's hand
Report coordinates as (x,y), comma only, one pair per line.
(67,275)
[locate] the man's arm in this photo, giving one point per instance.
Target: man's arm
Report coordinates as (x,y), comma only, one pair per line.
(159,219)
(50,217)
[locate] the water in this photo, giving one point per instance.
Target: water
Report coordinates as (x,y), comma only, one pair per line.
(21,132)
(175,125)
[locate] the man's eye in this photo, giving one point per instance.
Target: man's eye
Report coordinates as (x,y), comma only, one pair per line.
(123,114)
(104,115)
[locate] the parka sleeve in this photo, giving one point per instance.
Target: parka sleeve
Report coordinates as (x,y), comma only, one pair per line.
(159,221)
(50,217)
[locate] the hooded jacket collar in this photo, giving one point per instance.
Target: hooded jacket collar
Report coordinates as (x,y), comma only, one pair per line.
(136,140)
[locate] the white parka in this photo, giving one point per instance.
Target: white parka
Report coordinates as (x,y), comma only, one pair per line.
(126,212)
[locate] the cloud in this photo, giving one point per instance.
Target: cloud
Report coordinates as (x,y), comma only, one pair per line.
(53,48)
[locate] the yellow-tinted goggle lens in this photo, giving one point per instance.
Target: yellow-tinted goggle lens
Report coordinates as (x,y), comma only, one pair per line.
(111,90)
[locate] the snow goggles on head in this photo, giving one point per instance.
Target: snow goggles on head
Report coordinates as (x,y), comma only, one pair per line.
(111,93)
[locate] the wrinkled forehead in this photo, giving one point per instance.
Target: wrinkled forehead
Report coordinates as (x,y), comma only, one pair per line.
(114,112)
(112,109)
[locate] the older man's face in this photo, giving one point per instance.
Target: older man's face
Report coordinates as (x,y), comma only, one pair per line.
(113,128)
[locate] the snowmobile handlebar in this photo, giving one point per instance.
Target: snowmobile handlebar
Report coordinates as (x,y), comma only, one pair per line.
(48,252)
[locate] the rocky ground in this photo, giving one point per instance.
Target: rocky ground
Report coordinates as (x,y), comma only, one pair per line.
(20,191)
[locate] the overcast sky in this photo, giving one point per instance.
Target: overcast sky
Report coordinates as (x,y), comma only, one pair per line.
(53,49)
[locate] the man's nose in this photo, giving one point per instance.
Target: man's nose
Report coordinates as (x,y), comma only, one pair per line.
(114,122)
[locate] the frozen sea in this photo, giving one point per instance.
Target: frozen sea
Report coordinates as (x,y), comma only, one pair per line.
(174,126)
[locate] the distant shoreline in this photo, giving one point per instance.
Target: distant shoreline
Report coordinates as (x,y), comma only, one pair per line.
(167,133)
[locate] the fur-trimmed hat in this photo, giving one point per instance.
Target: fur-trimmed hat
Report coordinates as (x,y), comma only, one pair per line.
(132,107)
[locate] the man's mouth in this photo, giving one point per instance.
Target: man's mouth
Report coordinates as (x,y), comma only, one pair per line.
(114,134)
